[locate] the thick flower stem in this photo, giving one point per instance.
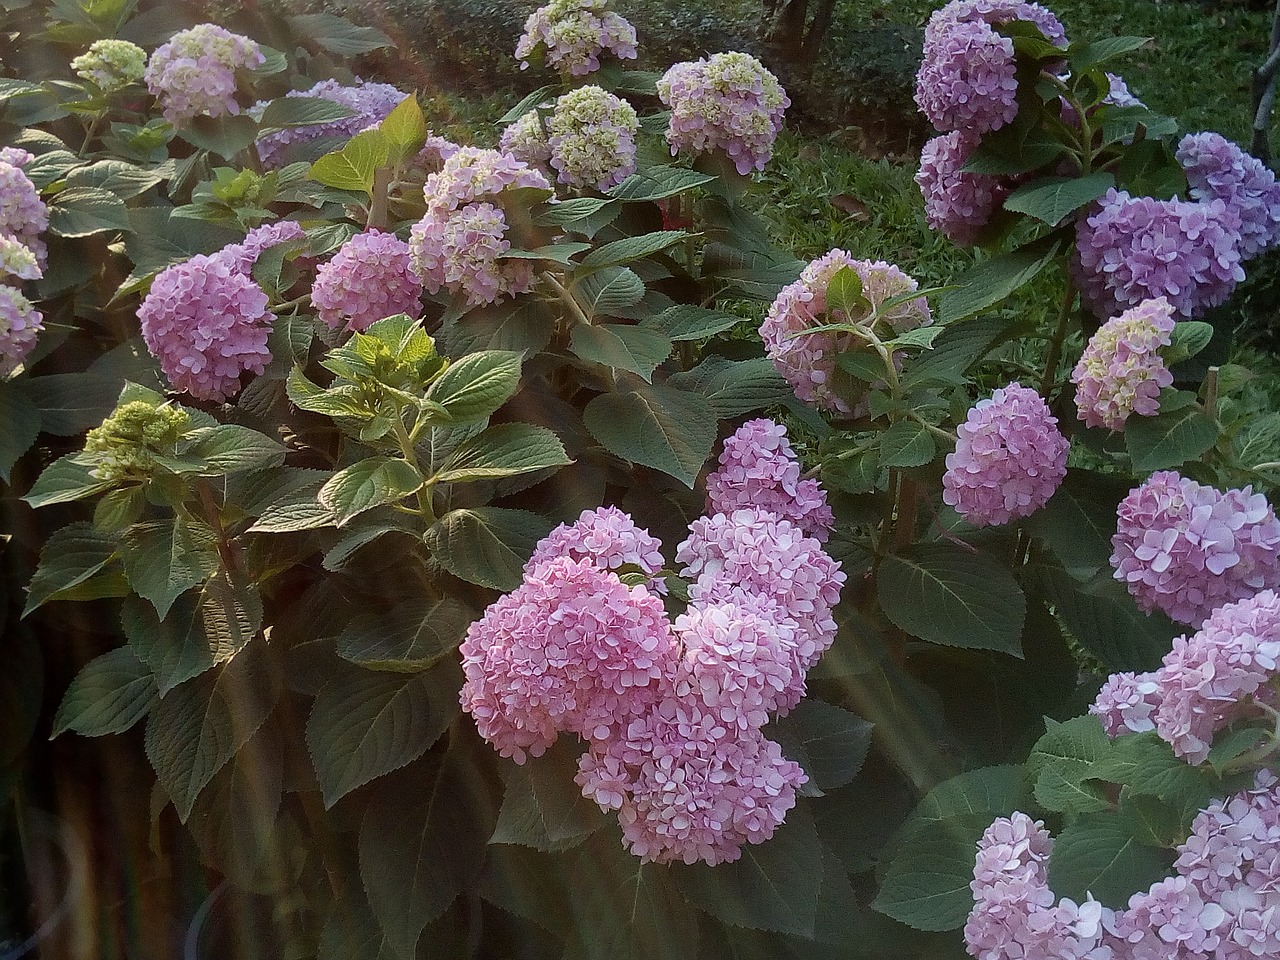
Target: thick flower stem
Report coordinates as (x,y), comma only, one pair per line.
(1049,379)
(565,297)
(378,208)
(410,454)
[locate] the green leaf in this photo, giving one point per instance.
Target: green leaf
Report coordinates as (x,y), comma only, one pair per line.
(687,322)
(159,239)
(735,387)
(364,724)
(1063,761)
(165,558)
(1189,338)
(1083,56)
(944,594)
(225,136)
(1097,854)
(988,791)
(22,425)
(542,807)
(194,730)
(119,509)
(124,180)
(70,557)
(829,742)
(507,450)
(405,130)
(926,885)
(566,213)
(83,211)
(296,509)
(844,293)
(63,481)
(609,290)
(231,448)
(285,112)
(632,248)
(655,426)
(337,34)
(335,402)
(407,639)
(1147,766)
(1122,123)
(367,484)
(355,165)
(110,695)
(1169,439)
(623,347)
(1078,521)
(486,545)
(993,279)
(561,253)
(1053,198)
(908,443)
(656,183)
(477,385)
(364,531)
(1235,743)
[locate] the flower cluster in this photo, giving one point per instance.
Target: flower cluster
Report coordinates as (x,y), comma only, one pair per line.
(526,140)
(1132,249)
(808,361)
(1221,903)
(243,255)
(758,468)
(23,215)
(1009,458)
(111,64)
(959,205)
(1121,371)
(592,138)
(606,536)
(1206,682)
(19,324)
(471,173)
(1186,548)
(17,261)
(194,74)
(371,277)
(967,79)
(573,33)
(370,103)
(1217,169)
(126,443)
(727,102)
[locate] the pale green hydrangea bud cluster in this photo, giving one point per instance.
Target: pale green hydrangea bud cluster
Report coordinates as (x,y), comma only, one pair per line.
(126,443)
(592,138)
(111,64)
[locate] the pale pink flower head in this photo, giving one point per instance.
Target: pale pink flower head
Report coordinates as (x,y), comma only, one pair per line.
(758,468)
(370,278)
(19,324)
(1186,548)
(958,205)
(1009,459)
(17,261)
(1126,703)
(573,34)
(607,536)
(470,174)
(23,215)
(968,79)
(244,255)
(194,73)
(461,250)
(1121,371)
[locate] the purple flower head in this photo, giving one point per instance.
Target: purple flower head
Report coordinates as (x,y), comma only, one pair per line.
(995,12)
(968,79)
(592,138)
(956,204)
(17,261)
(809,362)
(372,102)
(1187,549)
(19,324)
(470,174)
(526,140)
(573,34)
(16,156)
(727,102)
(206,322)
(460,250)
(1132,249)
(243,255)
(1009,458)
(1121,371)
(1126,702)
(1217,169)
(194,74)
(23,215)
(370,278)
(759,469)
(607,536)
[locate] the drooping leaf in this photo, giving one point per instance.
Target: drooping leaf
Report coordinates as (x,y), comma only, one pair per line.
(656,183)
(926,885)
(1053,198)
(632,248)
(84,211)
(285,112)
(230,448)
(337,34)
(993,279)
(624,347)
(111,694)
(164,558)
(1062,764)
(486,545)
(409,638)
(655,425)
(70,557)
(22,425)
(688,322)
(1169,440)
(608,291)
(908,443)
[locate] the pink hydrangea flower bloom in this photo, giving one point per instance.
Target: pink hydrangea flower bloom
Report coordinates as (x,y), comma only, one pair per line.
(370,278)
(958,205)
(194,73)
(471,174)
(23,215)
(1217,169)
(573,34)
(17,260)
(461,250)
(19,324)
(243,255)
(607,536)
(1126,703)
(526,140)
(1121,371)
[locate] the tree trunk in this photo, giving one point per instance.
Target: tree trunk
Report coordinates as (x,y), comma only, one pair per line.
(786,37)
(1264,94)
(817,32)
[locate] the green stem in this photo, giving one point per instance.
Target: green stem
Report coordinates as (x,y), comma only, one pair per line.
(411,455)
(565,297)
(1050,376)
(90,132)
(378,208)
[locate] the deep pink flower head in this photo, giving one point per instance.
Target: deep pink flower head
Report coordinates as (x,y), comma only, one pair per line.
(461,250)
(243,255)
(1009,458)
(194,74)
(809,361)
(23,215)
(470,174)
(1217,169)
(1126,702)
(573,34)
(958,205)
(206,322)
(1121,371)
(571,650)
(372,102)
(1131,249)
(607,536)
(727,102)
(370,278)
(759,469)
(19,324)
(1187,549)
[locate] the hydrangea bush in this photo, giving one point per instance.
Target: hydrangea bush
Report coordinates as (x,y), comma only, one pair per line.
(512,552)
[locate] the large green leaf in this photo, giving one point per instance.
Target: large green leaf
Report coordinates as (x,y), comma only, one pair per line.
(364,724)
(337,34)
(367,484)
(69,558)
(542,807)
(194,730)
(944,594)
(656,426)
(409,638)
(226,136)
(355,165)
(1145,764)
(1079,520)
(926,885)
(655,183)
(735,387)
(477,385)
(230,448)
(988,791)
(688,322)
(1062,764)
(111,694)
(908,443)
(83,211)
(634,349)
(993,279)
(1098,854)
(507,450)
(22,425)
(486,545)
(300,112)
(163,558)
(829,742)
(1054,198)
(632,248)
(608,291)
(1169,439)
(125,180)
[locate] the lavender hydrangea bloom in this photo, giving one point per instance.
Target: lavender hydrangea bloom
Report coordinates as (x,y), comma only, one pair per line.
(727,102)
(809,362)
(573,34)
(968,79)
(16,156)
(111,64)
(370,278)
(1132,249)
(194,74)
(1126,702)
(959,205)
(17,260)
(23,215)
(19,324)
(460,250)
(470,174)
(1217,169)
(1121,371)
(526,140)
(1186,548)
(995,12)
(592,138)
(372,102)
(1009,458)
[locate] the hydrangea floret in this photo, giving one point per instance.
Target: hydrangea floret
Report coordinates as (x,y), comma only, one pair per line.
(19,324)
(606,535)
(111,64)
(371,103)
(1009,459)
(125,445)
(526,140)
(591,138)
(243,255)
(23,215)
(957,204)
(17,261)
(727,102)
(194,73)
(1186,548)
(572,34)
(1121,371)
(369,278)
(1218,169)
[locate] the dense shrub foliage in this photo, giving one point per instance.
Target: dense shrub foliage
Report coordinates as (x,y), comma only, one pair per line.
(514,553)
